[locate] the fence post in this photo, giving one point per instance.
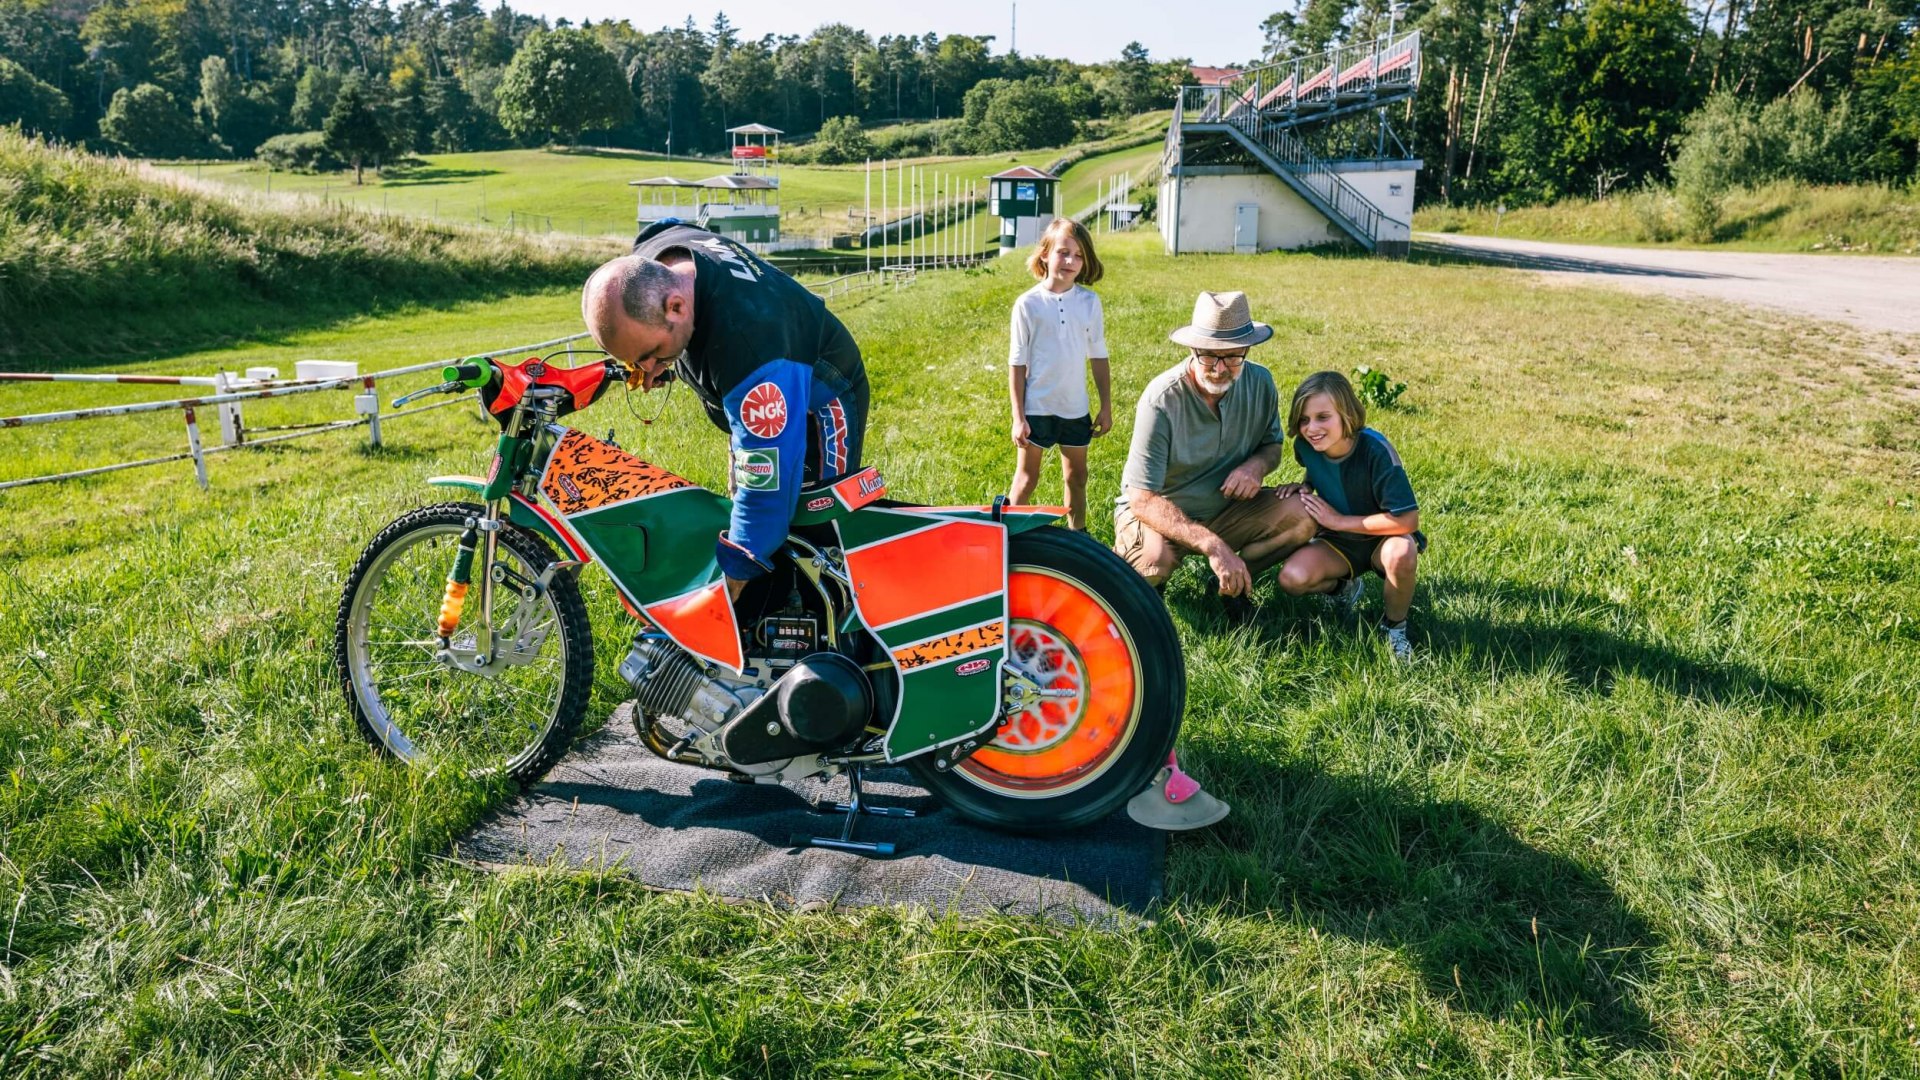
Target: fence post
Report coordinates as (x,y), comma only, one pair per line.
(368,404)
(231,433)
(193,447)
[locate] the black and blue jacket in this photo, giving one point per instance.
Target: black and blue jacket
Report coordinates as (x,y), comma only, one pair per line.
(776,371)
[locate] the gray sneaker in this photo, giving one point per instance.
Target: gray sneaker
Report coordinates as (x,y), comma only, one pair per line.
(1397,641)
(1156,810)
(1346,598)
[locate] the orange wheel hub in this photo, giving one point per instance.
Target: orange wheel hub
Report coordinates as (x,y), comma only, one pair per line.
(1073,690)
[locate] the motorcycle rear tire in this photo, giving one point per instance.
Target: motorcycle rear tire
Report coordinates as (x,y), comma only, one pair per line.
(518,719)
(1083,616)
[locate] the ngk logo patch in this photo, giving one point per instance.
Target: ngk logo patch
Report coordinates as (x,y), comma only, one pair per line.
(764,411)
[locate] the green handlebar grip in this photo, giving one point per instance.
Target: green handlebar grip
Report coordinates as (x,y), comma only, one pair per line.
(472,373)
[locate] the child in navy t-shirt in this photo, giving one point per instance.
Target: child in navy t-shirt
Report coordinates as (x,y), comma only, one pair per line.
(1357,490)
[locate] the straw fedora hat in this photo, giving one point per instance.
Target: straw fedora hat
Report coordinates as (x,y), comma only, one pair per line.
(1222,320)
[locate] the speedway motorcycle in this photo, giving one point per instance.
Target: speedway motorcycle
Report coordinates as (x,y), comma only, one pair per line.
(1024,673)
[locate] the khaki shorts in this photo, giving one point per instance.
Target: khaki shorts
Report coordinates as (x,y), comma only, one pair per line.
(1243,523)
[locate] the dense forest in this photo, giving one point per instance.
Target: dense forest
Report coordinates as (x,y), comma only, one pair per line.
(1536,100)
(1522,100)
(223,77)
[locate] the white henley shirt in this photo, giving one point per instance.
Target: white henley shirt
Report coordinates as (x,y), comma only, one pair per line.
(1053,336)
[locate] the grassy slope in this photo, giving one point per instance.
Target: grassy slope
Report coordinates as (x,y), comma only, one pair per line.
(1646,808)
(585,191)
(101,259)
(1777,217)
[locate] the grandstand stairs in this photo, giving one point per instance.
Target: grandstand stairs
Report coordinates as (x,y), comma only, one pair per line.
(1264,114)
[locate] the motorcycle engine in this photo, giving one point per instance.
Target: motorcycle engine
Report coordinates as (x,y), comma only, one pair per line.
(670,682)
(822,703)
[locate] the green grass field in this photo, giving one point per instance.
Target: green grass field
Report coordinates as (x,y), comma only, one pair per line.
(585,191)
(1864,218)
(1645,807)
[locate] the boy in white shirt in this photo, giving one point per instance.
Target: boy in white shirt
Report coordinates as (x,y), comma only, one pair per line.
(1057,333)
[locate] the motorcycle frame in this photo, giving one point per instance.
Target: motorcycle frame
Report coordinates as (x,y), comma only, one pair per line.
(952,717)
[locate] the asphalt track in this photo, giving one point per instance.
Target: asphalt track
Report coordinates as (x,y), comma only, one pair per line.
(1877,293)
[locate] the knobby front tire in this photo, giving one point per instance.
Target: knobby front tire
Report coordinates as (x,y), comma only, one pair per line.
(516,718)
(1081,620)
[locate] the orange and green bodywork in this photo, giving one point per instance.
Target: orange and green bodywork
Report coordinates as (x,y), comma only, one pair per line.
(929,583)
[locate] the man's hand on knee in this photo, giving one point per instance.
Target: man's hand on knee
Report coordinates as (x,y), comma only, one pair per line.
(1243,482)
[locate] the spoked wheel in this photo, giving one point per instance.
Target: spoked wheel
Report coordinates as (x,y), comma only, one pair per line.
(511,706)
(1094,689)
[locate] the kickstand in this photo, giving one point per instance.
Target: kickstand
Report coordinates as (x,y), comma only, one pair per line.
(853,809)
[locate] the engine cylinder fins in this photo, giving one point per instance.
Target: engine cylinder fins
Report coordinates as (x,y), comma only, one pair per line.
(667,681)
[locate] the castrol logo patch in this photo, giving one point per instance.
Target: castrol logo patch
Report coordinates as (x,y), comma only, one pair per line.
(764,411)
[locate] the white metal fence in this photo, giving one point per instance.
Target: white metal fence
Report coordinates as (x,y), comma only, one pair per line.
(232,390)
(235,435)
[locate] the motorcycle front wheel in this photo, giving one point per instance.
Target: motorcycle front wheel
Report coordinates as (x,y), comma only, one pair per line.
(1091,633)
(516,712)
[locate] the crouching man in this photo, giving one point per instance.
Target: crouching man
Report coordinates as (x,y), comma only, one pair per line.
(1205,435)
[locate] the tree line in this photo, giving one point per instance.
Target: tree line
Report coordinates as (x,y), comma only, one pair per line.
(302,81)
(1536,100)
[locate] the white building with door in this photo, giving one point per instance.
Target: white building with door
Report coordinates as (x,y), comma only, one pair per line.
(1248,209)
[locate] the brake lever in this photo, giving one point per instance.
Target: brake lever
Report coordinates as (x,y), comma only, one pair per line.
(443,388)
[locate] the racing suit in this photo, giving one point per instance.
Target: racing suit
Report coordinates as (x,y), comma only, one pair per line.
(776,371)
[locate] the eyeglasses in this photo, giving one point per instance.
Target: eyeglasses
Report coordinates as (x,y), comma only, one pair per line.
(1215,361)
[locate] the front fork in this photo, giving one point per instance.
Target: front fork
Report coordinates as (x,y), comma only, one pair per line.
(481,537)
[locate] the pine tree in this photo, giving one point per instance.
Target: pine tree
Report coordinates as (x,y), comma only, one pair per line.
(352,131)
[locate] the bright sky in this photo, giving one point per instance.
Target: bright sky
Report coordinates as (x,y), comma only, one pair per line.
(1216,32)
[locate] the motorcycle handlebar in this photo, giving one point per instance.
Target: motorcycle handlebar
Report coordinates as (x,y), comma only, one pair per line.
(472,374)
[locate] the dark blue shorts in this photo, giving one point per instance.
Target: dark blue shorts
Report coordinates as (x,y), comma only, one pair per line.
(1358,548)
(1047,431)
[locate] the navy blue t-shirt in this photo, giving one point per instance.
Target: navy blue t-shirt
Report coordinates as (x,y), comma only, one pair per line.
(1369,480)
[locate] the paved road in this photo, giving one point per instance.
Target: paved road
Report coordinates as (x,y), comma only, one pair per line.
(1870,292)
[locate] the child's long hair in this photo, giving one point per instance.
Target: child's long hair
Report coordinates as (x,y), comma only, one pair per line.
(1353,414)
(1090,268)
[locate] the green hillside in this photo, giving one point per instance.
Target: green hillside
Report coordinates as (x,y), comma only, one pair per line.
(1644,808)
(585,191)
(582,191)
(105,259)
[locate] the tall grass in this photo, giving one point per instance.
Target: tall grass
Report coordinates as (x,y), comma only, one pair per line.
(1781,216)
(1645,808)
(98,257)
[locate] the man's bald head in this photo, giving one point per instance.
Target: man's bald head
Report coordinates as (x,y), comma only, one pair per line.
(639,310)
(632,286)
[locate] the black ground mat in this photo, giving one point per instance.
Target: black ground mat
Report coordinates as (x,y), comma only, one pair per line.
(611,802)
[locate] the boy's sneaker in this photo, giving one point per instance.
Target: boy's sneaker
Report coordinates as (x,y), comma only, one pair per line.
(1346,598)
(1397,640)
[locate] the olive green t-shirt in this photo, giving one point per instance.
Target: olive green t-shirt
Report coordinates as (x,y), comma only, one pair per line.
(1183,451)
